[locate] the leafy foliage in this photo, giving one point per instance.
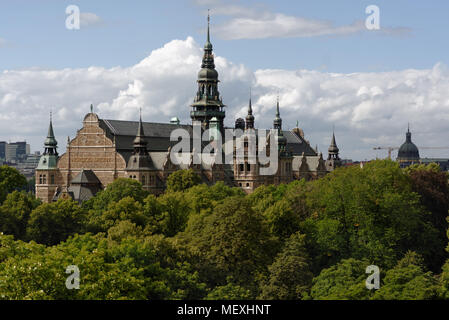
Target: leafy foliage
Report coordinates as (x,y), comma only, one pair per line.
(303,240)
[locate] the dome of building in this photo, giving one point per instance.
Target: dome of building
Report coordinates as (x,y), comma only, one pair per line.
(207,74)
(408,151)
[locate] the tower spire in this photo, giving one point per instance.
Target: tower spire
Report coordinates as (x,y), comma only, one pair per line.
(208,103)
(139,142)
(333,148)
(208,25)
(277,124)
(250,117)
(50,142)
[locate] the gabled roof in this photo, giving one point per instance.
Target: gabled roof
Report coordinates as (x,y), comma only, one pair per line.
(158,137)
(85,177)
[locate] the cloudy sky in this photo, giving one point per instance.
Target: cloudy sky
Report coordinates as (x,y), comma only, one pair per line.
(328,68)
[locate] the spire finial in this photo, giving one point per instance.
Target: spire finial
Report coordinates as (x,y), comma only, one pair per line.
(250,107)
(297,124)
(51,115)
(277,106)
(208,25)
(91,108)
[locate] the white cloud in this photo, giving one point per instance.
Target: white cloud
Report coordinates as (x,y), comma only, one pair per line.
(368,109)
(282,26)
(88,19)
(259,22)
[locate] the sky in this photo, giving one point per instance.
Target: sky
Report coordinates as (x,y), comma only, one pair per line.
(330,71)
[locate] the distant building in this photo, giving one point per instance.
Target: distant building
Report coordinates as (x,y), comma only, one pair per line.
(11,153)
(3,149)
(408,153)
(442,162)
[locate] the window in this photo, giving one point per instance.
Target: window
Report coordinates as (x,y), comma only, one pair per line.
(40,179)
(241,167)
(143,180)
(52,179)
(44,179)
(247,185)
(248,167)
(130,177)
(134,177)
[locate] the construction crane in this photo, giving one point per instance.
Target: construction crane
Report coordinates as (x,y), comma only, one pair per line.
(391,149)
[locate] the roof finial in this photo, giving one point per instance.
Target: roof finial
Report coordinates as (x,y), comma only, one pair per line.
(408,127)
(250,107)
(277,107)
(208,25)
(297,124)
(91,108)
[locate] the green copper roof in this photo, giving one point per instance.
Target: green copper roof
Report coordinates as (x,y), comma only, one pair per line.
(47,161)
(50,141)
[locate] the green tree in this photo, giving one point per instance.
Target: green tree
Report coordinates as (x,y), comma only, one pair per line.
(230,291)
(367,213)
(10,179)
(15,212)
(51,223)
(432,186)
(290,277)
(125,209)
(182,180)
(233,241)
(343,281)
(174,213)
(408,281)
(103,200)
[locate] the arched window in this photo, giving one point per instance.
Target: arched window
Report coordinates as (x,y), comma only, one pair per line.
(40,179)
(241,167)
(248,167)
(143,180)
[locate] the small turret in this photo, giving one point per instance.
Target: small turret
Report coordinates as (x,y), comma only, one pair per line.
(250,117)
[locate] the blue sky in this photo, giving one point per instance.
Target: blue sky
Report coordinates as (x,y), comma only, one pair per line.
(36,36)
(329,69)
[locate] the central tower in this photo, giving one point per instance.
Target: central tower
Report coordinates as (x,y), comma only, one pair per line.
(208,103)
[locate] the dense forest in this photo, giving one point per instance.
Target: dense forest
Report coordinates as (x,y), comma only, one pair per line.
(304,240)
